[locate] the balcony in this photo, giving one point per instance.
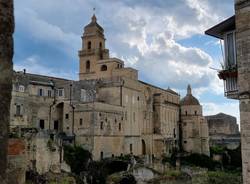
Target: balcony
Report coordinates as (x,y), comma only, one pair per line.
(229,77)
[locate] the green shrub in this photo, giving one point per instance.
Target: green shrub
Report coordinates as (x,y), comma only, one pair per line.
(219,177)
(217,150)
(77,158)
(201,161)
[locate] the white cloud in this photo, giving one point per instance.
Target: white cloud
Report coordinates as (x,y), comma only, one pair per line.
(40,30)
(231,108)
(33,64)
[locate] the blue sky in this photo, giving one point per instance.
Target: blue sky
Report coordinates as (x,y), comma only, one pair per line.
(163,39)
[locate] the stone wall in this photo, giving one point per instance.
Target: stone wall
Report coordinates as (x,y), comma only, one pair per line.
(242,19)
(222,124)
(16,161)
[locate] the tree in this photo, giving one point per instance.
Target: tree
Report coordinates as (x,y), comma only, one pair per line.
(6,70)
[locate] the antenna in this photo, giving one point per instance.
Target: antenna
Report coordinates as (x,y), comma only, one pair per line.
(214,69)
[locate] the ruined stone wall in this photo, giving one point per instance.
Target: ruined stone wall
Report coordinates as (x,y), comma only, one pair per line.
(222,124)
(17,161)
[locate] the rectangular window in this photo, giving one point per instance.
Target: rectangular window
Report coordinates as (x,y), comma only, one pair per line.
(21,88)
(40,92)
(49,93)
(80,121)
(83,95)
(66,116)
(131,148)
(230,55)
(56,125)
(60,92)
(41,124)
(18,110)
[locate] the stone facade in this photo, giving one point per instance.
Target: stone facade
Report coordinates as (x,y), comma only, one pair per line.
(242,19)
(194,127)
(108,111)
(236,73)
(223,130)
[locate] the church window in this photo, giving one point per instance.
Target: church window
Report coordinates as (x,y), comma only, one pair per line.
(41,123)
(138,98)
(195,112)
(100,45)
(104,68)
(120,126)
(89,45)
(186,113)
(87,66)
(174,133)
(80,121)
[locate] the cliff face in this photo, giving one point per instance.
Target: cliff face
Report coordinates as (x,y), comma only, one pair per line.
(222,124)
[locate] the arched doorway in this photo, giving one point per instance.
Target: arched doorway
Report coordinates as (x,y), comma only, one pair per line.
(143,147)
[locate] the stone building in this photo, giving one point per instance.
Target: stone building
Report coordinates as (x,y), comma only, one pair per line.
(223,130)
(235,31)
(108,111)
(194,127)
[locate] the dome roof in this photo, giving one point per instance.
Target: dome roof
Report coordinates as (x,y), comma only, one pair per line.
(94,23)
(189,99)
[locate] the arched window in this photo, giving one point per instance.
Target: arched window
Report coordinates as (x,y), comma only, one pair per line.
(104,68)
(89,45)
(87,66)
(100,45)
(195,112)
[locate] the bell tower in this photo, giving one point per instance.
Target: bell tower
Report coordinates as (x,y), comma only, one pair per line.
(93,49)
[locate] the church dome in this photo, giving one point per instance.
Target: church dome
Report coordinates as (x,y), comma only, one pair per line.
(189,99)
(94,24)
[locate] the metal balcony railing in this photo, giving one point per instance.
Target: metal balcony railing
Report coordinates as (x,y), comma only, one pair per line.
(230,78)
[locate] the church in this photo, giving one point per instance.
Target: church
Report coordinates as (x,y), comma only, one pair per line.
(108,111)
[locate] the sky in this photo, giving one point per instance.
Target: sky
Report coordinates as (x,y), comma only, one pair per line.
(163,39)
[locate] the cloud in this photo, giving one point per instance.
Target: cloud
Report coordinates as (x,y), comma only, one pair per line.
(32,65)
(28,21)
(231,108)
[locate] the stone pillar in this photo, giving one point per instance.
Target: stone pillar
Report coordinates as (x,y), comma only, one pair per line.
(6,69)
(242,20)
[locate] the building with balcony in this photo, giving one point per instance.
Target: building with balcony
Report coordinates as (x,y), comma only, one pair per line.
(235,32)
